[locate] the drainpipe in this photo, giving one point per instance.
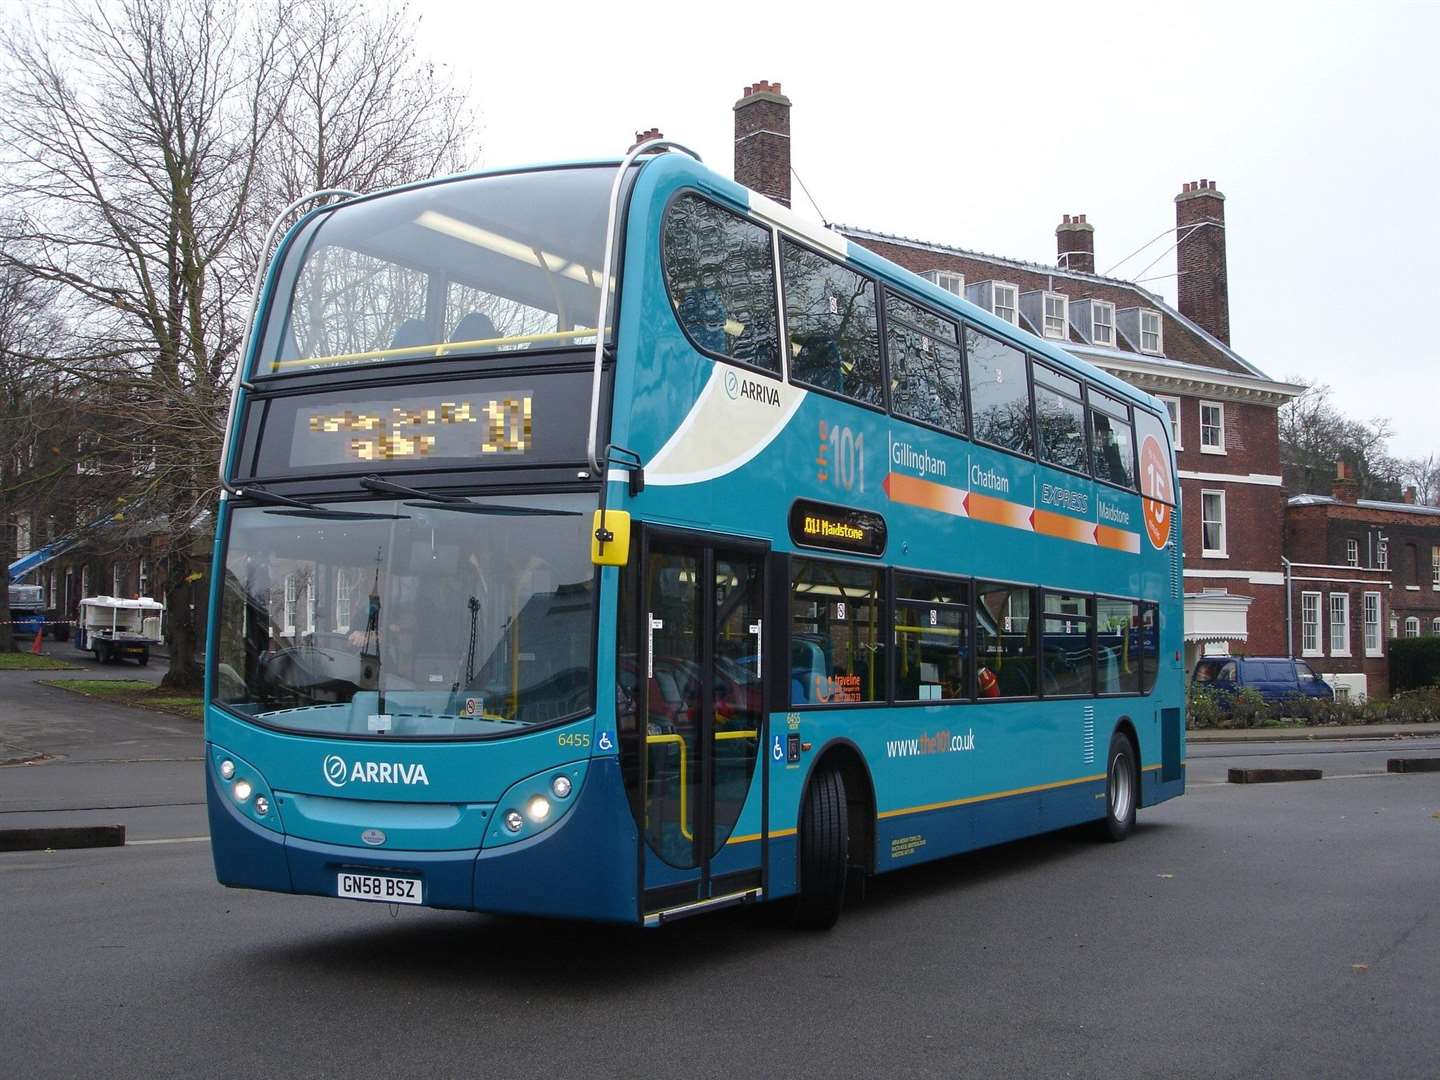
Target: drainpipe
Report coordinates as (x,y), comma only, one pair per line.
(1289,609)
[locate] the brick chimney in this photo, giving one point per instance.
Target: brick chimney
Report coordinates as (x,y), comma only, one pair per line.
(1200,257)
(1410,495)
(1075,244)
(1346,488)
(762,141)
(645,136)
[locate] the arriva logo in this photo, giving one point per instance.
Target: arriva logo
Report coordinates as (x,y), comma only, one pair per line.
(337,773)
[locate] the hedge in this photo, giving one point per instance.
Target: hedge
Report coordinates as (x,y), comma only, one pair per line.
(1414,663)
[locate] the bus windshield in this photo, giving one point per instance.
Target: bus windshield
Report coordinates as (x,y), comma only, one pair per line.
(508,263)
(409,618)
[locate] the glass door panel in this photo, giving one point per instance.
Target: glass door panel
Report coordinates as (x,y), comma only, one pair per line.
(672,707)
(738,704)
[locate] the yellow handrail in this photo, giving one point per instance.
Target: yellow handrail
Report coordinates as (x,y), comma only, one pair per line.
(679,740)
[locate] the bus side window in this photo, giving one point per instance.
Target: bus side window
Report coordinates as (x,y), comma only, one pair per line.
(1004,641)
(999,392)
(837,617)
(832,325)
(1116,623)
(927,381)
(721,277)
(1112,445)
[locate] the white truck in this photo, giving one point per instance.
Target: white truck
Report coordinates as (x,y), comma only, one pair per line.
(114,628)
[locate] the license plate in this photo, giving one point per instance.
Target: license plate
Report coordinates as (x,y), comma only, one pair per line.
(387,890)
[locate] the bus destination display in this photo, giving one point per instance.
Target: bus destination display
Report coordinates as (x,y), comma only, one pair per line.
(415,429)
(836,528)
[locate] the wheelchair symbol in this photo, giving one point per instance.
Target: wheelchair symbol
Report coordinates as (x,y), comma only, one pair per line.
(777,751)
(605,742)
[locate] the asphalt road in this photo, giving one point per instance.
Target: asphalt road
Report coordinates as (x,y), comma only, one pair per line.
(1285,930)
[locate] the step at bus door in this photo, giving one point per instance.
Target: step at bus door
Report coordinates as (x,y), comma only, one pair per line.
(701,622)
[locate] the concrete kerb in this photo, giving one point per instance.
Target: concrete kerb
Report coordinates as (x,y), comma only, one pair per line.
(57,837)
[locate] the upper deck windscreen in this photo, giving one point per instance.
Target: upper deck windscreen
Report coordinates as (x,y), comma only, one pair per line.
(497,264)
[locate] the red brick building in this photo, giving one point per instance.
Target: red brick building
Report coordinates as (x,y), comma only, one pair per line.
(1361,572)
(1223,407)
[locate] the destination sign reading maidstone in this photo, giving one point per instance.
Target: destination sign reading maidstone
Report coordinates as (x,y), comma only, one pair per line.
(836,528)
(415,429)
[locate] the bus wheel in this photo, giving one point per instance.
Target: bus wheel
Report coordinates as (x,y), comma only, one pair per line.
(824,840)
(1121,789)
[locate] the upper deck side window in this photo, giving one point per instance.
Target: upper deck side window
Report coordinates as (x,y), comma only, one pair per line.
(720,273)
(999,392)
(927,380)
(1112,440)
(496,264)
(832,325)
(1059,418)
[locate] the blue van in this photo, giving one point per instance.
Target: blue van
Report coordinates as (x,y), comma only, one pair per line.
(1274,677)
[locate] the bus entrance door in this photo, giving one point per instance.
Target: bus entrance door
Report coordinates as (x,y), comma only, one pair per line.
(703,714)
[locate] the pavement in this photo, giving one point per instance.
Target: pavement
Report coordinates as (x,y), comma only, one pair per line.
(91,762)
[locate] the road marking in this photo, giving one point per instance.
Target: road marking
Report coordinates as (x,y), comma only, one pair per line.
(169,840)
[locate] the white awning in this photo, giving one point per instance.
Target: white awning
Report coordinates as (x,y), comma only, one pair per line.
(1217,616)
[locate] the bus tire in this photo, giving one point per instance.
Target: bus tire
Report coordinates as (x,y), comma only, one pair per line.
(102,653)
(824,840)
(144,658)
(1122,790)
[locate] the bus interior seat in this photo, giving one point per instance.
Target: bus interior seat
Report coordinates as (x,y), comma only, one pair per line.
(409,334)
(475,326)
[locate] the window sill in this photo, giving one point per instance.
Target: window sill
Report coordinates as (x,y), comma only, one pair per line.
(1309,653)
(1373,655)
(1214,555)
(1342,653)
(1218,451)
(1412,588)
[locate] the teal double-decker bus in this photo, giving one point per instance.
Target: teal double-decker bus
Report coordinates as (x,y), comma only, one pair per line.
(605,541)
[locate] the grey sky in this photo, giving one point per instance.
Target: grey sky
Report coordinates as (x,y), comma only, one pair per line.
(980,124)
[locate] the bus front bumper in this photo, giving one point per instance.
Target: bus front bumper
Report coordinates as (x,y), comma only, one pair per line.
(581,868)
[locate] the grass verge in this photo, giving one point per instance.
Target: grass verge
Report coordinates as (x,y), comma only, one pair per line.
(24,661)
(136,693)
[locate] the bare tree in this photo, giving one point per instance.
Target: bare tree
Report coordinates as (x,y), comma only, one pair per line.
(132,136)
(1423,474)
(361,108)
(146,145)
(1314,435)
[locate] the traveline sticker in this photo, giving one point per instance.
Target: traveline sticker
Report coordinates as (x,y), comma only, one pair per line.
(836,528)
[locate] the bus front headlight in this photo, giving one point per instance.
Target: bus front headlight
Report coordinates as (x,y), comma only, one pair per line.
(538,809)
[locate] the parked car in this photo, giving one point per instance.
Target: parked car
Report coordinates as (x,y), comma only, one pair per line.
(1275,678)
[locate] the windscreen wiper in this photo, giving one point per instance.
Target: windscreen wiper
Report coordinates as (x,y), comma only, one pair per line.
(389,487)
(301,508)
(459,503)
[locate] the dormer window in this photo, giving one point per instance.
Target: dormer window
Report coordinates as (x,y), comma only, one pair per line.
(1056,319)
(1151,338)
(1102,323)
(1005,302)
(947,280)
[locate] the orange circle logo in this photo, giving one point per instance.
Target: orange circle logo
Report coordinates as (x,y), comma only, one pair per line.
(1155,486)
